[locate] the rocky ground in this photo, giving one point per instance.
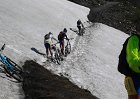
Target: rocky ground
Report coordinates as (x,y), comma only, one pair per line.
(120,14)
(39,83)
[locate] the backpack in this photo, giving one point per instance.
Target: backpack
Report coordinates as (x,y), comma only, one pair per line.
(60,36)
(123,66)
(47,36)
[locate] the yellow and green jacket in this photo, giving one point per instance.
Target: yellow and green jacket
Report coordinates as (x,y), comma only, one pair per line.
(133,53)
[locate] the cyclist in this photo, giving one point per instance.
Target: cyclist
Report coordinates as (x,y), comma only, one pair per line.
(132,67)
(79,25)
(48,41)
(62,35)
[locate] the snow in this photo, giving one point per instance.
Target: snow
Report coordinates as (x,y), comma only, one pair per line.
(92,63)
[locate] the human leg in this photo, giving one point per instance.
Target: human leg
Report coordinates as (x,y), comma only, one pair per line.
(62,47)
(79,28)
(47,49)
(129,85)
(50,50)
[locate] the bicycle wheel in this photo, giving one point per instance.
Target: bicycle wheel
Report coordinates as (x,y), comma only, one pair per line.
(67,48)
(15,74)
(57,58)
(66,51)
(17,67)
(60,55)
(14,71)
(83,31)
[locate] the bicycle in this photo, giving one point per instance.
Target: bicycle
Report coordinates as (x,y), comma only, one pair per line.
(10,66)
(57,54)
(68,47)
(82,31)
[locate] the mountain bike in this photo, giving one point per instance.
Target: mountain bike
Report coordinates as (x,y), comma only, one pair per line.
(82,31)
(68,47)
(57,54)
(10,66)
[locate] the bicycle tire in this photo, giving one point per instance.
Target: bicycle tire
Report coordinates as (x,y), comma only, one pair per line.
(16,75)
(67,48)
(14,64)
(16,72)
(60,55)
(82,32)
(66,51)
(57,58)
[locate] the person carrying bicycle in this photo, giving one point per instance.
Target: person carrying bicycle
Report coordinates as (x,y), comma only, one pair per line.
(79,25)
(48,41)
(62,35)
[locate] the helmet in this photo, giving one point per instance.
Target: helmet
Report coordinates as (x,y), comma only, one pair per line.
(65,30)
(50,33)
(79,20)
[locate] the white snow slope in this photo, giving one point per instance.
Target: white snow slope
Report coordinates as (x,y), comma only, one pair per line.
(93,61)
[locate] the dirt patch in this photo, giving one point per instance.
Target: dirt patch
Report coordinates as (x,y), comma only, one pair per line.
(39,83)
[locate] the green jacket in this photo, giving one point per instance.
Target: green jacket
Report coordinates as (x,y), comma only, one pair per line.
(133,53)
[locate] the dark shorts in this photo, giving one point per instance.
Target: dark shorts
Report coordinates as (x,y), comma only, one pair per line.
(62,44)
(47,45)
(79,27)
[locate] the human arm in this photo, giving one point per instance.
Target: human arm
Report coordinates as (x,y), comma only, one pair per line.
(133,53)
(55,39)
(45,41)
(66,37)
(82,25)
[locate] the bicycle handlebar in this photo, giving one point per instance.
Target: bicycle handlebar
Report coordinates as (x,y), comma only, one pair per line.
(2,48)
(54,44)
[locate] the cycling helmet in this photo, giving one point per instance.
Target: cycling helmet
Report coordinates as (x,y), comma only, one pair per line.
(50,32)
(65,30)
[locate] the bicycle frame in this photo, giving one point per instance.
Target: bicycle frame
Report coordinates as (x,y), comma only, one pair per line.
(57,53)
(68,47)
(68,43)
(55,47)
(3,59)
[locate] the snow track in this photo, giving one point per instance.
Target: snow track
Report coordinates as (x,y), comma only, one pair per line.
(92,63)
